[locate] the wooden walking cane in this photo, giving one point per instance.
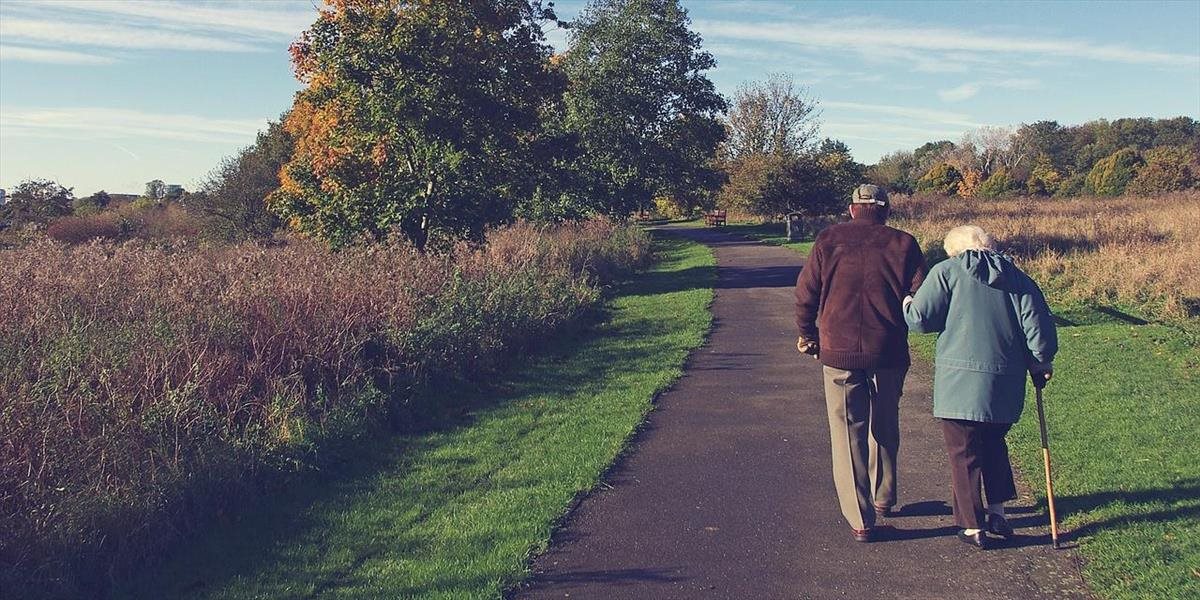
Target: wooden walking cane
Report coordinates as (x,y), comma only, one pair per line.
(1046,460)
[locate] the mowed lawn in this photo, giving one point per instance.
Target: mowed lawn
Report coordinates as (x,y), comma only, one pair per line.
(457,512)
(772,233)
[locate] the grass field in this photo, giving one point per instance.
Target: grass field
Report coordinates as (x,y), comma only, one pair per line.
(456,512)
(1122,413)
(773,233)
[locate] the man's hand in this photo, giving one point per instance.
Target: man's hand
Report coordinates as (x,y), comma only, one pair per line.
(807,347)
(1040,375)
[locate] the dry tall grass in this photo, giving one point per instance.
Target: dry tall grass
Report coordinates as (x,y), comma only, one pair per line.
(126,222)
(143,386)
(1140,251)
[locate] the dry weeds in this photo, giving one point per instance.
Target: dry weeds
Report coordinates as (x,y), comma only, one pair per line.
(1137,251)
(143,385)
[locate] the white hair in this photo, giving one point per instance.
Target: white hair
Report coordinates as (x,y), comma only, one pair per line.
(967,237)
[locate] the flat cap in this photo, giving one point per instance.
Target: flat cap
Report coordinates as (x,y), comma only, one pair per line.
(869,194)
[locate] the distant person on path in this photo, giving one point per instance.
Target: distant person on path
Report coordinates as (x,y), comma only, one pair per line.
(848,310)
(995,327)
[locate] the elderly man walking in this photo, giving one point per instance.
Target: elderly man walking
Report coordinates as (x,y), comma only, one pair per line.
(848,310)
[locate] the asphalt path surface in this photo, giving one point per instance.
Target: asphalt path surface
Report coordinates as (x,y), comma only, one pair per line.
(727,490)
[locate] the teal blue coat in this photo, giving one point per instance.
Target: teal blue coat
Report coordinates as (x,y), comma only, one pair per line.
(993,325)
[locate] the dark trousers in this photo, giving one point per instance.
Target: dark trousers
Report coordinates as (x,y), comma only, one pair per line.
(977,450)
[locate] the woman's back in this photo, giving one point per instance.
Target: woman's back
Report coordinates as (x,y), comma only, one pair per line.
(993,323)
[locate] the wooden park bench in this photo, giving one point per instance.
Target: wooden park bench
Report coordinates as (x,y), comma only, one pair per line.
(714,218)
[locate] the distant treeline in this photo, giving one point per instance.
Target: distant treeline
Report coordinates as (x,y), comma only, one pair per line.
(1100,158)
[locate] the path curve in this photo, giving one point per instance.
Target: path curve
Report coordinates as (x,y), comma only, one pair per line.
(727,491)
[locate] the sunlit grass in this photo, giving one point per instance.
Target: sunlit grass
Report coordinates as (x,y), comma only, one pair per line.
(772,233)
(457,512)
(1122,411)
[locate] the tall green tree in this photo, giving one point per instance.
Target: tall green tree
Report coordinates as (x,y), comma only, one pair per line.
(639,99)
(418,118)
(894,171)
(1112,173)
(90,205)
(771,117)
(155,190)
(942,179)
(1167,169)
(824,178)
(770,125)
(233,201)
(36,201)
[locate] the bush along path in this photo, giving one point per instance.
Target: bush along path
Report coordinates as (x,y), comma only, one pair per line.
(727,491)
(457,512)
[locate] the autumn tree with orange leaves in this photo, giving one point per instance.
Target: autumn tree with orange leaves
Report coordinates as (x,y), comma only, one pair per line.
(420,118)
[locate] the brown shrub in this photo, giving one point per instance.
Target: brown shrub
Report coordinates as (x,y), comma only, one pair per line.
(77,230)
(145,384)
(152,222)
(1142,251)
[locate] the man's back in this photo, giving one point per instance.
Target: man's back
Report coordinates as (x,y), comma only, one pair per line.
(848,295)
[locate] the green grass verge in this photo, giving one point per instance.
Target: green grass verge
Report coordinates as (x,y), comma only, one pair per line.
(774,234)
(457,512)
(1122,412)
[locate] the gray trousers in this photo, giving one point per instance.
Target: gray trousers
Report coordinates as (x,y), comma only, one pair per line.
(864,432)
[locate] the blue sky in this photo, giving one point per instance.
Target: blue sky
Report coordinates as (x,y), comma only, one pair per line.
(100,94)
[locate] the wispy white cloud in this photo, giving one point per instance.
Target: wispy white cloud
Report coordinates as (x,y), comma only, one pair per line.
(923,115)
(971,89)
(744,52)
(891,125)
(104,25)
(115,124)
(883,38)
(58,57)
(225,17)
(960,93)
(114,36)
(803,70)
(892,134)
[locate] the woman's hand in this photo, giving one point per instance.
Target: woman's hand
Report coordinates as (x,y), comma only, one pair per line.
(1040,374)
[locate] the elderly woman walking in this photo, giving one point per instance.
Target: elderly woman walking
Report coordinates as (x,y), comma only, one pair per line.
(994,328)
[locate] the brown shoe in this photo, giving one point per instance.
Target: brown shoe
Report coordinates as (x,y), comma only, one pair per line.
(862,535)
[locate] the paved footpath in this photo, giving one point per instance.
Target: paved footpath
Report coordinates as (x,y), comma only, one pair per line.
(727,492)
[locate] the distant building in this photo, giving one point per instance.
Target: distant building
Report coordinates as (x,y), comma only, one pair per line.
(173,191)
